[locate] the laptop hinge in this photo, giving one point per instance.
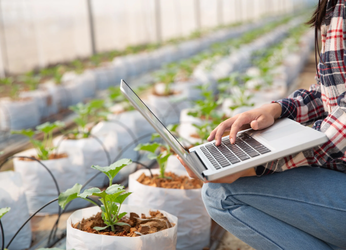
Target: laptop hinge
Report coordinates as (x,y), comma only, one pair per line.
(198,163)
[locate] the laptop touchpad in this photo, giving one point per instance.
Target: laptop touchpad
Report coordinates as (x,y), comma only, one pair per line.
(278,133)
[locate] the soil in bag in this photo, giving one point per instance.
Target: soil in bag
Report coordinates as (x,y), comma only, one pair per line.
(171,180)
(138,225)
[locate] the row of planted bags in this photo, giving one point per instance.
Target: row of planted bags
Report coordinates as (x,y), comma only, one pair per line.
(31,194)
(51,98)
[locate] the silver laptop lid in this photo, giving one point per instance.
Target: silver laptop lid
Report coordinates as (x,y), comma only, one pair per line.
(152,119)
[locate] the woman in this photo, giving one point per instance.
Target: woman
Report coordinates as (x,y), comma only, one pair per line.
(305,206)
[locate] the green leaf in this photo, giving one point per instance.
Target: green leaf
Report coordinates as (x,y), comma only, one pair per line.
(122,215)
(92,191)
(172,127)
(122,224)
(150,147)
(4,211)
(121,198)
(69,195)
(152,156)
(26,132)
(113,169)
(115,188)
(100,228)
(154,136)
(49,127)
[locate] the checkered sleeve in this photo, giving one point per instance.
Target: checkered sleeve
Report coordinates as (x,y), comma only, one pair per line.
(303,106)
(330,155)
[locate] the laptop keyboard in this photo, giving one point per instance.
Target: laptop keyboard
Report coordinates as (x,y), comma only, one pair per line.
(226,154)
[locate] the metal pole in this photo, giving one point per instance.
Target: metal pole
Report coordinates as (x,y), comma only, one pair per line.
(3,47)
(220,12)
(91,27)
(198,14)
(158,21)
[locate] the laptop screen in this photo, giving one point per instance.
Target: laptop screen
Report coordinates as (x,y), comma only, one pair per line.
(152,119)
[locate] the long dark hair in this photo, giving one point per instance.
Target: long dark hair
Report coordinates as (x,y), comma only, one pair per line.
(316,21)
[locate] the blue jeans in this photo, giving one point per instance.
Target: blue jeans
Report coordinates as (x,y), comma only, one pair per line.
(299,209)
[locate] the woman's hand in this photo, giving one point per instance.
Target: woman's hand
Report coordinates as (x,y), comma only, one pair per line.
(259,118)
(227,179)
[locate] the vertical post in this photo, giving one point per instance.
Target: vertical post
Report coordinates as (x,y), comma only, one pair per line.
(91,27)
(198,15)
(158,21)
(3,57)
(220,20)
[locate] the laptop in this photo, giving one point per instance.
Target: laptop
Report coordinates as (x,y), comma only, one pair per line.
(252,147)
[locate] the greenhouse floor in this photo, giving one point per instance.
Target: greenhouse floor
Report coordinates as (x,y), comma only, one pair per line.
(304,81)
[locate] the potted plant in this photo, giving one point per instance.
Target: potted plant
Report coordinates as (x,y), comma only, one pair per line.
(175,193)
(110,225)
(198,121)
(17,112)
(12,194)
(165,101)
(33,166)
(95,149)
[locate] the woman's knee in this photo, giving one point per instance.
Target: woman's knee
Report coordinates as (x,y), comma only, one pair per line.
(214,196)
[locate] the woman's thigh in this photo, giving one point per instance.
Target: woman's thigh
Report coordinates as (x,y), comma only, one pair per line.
(310,199)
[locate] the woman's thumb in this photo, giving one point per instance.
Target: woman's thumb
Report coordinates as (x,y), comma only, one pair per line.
(260,123)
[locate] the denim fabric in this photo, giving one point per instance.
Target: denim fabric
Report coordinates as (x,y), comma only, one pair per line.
(302,208)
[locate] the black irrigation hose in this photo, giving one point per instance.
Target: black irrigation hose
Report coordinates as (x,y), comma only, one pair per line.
(103,147)
(51,174)
(29,220)
(32,158)
(64,137)
(2,237)
(53,231)
(145,166)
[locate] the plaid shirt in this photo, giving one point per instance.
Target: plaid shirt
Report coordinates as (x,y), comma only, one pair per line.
(325,102)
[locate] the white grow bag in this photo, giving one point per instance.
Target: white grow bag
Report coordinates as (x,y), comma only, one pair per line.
(168,108)
(39,186)
(12,195)
(58,94)
(187,205)
(42,99)
(16,115)
(93,154)
(79,240)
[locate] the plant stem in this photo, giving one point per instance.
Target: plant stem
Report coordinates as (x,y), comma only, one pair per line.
(108,214)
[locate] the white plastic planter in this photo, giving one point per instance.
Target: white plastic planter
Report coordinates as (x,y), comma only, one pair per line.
(75,91)
(38,184)
(134,121)
(42,99)
(59,96)
(88,81)
(94,152)
(173,164)
(167,108)
(79,240)
(105,76)
(12,195)
(16,115)
(205,77)
(124,145)
(187,205)
(189,89)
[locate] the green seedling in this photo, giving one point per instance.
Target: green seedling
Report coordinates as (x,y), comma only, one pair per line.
(85,112)
(204,108)
(31,80)
(112,198)
(58,74)
(78,66)
(166,76)
(4,211)
(43,148)
(161,158)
